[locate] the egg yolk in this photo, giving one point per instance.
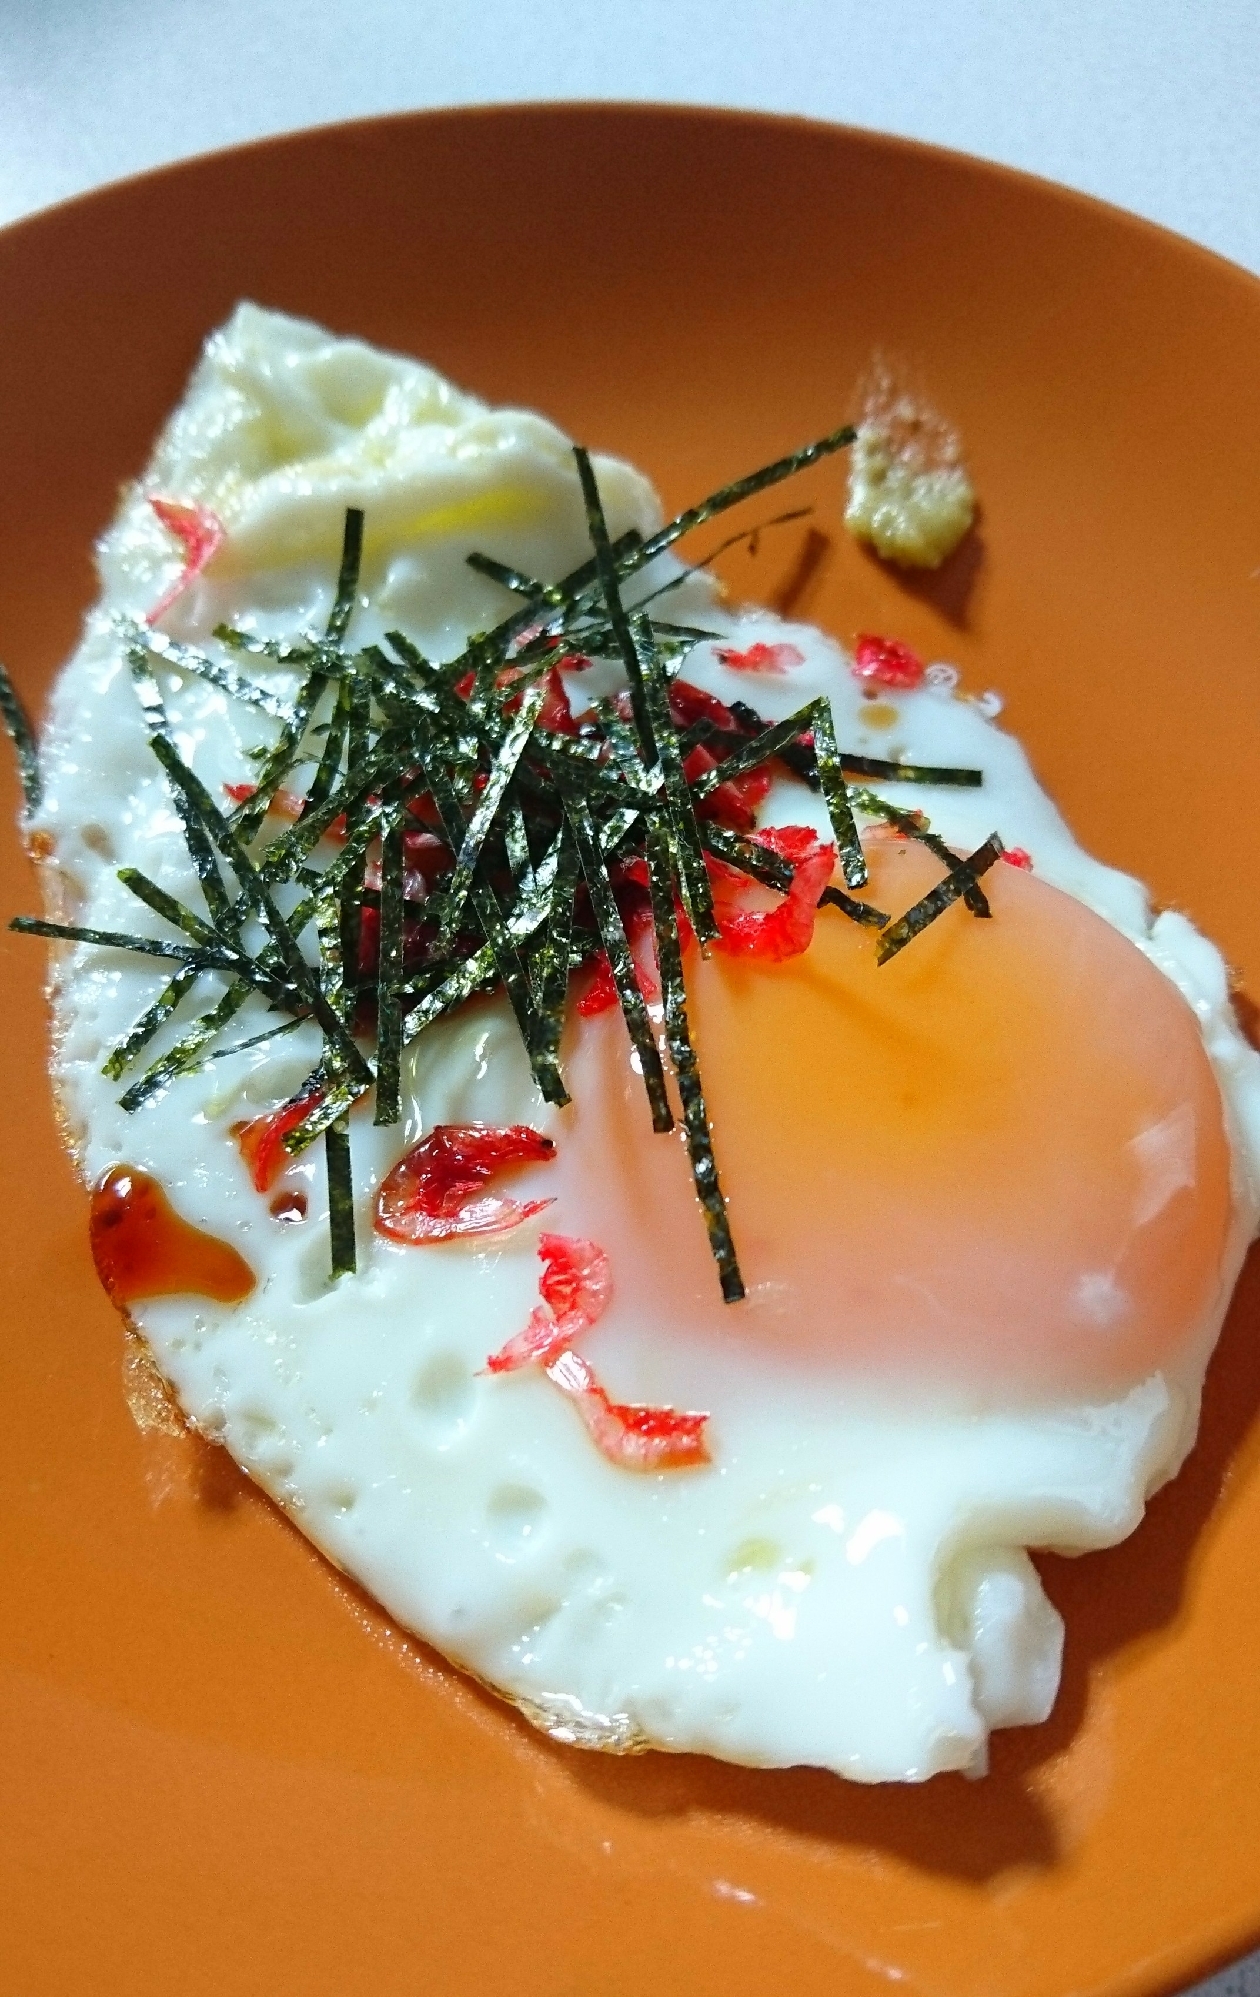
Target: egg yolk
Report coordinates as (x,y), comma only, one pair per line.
(997,1161)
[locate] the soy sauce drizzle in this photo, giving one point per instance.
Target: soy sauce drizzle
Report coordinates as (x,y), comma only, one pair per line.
(143,1248)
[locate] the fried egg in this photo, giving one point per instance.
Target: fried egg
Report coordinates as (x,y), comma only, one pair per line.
(991,1198)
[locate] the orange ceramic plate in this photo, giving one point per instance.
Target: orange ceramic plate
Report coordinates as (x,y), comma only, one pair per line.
(225,1772)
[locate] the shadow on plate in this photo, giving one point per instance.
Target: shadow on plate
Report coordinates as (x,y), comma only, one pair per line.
(948,589)
(794,580)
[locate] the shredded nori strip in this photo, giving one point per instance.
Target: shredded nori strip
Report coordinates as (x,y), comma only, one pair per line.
(509,755)
(836,795)
(255,1040)
(741,488)
(351,801)
(771,740)
(389,976)
(150,1022)
(200,846)
(649,699)
(25,748)
(476,974)
(561,599)
(116,939)
(281,760)
(610,783)
(516,846)
(620,960)
(253,887)
(606,569)
(489,913)
(911,773)
(798,756)
(520,585)
(550,968)
(699,1137)
(186,659)
(915,826)
(186,1053)
(348,575)
(767,867)
(953,888)
(340,1197)
(693,875)
(326,775)
(749,534)
(828,763)
(166,905)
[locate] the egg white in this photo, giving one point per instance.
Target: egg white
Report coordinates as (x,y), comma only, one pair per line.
(847,1584)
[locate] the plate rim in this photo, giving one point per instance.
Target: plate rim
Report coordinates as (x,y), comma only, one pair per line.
(79,207)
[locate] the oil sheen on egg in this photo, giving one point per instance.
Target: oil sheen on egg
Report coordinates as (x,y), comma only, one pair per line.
(990,1198)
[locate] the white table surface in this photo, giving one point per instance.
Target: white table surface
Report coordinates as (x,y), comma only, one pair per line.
(1152,104)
